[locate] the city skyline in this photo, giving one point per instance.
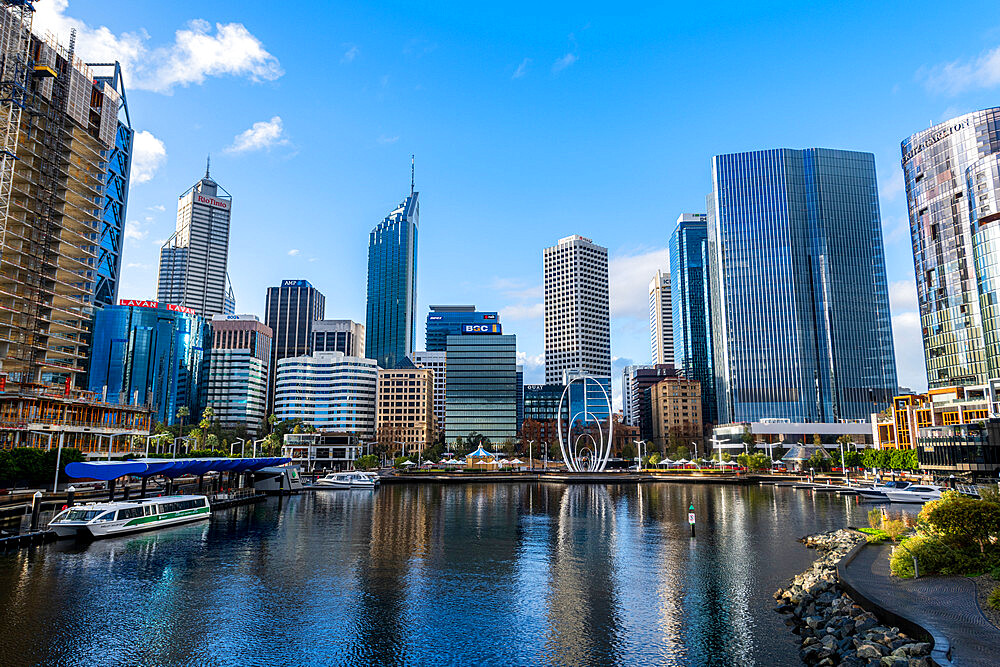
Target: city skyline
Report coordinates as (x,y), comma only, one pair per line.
(569,51)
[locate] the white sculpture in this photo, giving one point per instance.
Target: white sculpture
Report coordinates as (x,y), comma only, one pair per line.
(600,450)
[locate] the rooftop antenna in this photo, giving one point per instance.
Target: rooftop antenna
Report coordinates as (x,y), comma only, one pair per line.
(411,173)
(208,164)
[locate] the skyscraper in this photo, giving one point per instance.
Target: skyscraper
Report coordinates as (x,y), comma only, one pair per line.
(983,178)
(444,321)
(194,259)
(691,305)
(936,164)
(344,336)
(661,330)
(481,393)
(328,391)
(238,371)
(392,285)
(800,302)
(577,320)
(437,362)
(291,311)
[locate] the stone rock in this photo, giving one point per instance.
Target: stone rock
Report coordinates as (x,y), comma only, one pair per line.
(868,651)
(813,621)
(920,662)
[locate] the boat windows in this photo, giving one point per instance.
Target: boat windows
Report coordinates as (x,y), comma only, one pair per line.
(82,515)
(180,505)
(130,513)
(107,516)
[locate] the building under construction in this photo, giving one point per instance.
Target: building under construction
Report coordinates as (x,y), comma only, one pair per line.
(65,157)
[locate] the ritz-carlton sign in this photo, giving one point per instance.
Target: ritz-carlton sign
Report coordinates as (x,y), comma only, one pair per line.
(211,201)
(934,138)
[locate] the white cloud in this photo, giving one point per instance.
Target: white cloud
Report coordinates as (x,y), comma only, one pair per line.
(148,155)
(895,229)
(138,265)
(261,135)
(522,69)
(894,187)
(523,311)
(628,278)
(293,252)
(562,63)
(134,230)
(531,362)
(902,296)
(350,54)
(383,139)
(157,207)
(907,338)
(196,52)
(957,76)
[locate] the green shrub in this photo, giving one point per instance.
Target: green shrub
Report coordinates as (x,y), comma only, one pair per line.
(366,462)
(964,519)
(994,598)
(990,494)
(995,573)
(894,529)
(934,555)
(875,518)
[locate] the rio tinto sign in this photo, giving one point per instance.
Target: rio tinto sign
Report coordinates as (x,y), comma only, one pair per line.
(211,201)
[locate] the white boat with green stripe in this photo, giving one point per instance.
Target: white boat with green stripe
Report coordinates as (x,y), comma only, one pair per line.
(129,516)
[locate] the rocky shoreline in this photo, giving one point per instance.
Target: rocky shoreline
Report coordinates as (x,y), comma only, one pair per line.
(834,630)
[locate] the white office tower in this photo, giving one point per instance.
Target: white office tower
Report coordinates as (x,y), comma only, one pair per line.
(661,328)
(193,261)
(437,362)
(329,391)
(577,321)
(238,371)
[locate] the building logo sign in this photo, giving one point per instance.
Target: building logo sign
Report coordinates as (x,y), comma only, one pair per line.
(934,138)
(180,309)
(491,316)
(480,328)
(139,304)
(434,317)
(294,283)
(212,201)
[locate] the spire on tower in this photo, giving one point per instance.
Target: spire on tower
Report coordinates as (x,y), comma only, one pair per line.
(411,173)
(208,163)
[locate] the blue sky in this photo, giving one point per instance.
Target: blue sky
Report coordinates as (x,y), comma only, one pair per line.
(528,122)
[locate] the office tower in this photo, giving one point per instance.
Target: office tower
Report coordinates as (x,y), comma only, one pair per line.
(481,393)
(800,304)
(661,330)
(444,321)
(291,311)
(691,304)
(577,321)
(339,336)
(154,354)
(63,177)
(636,382)
(437,362)
(193,261)
(519,381)
(392,285)
(328,391)
(675,406)
(936,168)
(238,371)
(405,409)
(629,397)
(983,178)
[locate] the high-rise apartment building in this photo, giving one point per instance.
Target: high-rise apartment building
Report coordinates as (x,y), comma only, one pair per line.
(238,371)
(344,336)
(800,302)
(630,409)
(63,180)
(577,320)
(661,330)
(390,326)
(194,260)
(291,311)
(937,165)
(328,391)
(437,362)
(636,381)
(444,321)
(983,178)
(481,394)
(153,354)
(675,406)
(405,411)
(692,309)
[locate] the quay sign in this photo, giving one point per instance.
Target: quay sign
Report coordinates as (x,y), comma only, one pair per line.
(211,201)
(480,328)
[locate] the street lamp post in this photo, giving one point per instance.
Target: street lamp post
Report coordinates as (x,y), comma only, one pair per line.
(255,442)
(529,455)
(154,437)
(641,444)
(243,446)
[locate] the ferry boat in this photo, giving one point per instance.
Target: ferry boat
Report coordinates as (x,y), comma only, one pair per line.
(119,518)
(348,480)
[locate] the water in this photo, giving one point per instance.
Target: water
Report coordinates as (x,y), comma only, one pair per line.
(506,574)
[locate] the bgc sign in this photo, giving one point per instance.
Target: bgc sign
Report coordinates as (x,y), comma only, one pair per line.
(480,328)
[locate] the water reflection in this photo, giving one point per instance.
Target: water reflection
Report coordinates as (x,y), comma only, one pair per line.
(431,574)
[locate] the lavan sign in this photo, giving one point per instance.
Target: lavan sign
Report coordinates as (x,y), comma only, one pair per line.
(211,201)
(156,304)
(480,328)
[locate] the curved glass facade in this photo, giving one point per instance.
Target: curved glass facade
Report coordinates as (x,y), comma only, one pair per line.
(799,286)
(934,163)
(329,391)
(151,355)
(983,181)
(390,327)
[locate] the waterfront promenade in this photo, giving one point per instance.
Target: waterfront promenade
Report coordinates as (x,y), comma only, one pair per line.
(945,607)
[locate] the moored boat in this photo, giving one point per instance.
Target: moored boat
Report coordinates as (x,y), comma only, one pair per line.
(119,518)
(915,493)
(878,491)
(354,479)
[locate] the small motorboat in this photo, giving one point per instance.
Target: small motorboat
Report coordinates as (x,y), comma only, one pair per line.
(877,491)
(915,493)
(354,479)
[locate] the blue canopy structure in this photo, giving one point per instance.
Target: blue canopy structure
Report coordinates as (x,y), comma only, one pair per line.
(108,470)
(481,453)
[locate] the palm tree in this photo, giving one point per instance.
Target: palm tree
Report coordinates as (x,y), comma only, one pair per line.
(183,413)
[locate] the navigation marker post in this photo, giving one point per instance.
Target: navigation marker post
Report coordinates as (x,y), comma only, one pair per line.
(691,518)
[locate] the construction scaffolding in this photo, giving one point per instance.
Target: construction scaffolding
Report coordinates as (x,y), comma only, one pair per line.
(15,39)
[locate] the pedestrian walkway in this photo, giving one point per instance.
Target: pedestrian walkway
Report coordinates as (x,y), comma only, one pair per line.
(944,606)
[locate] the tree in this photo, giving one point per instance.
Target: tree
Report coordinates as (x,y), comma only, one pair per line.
(748,439)
(963,519)
(681,452)
(655,458)
(183,413)
(817,441)
(366,462)
(628,452)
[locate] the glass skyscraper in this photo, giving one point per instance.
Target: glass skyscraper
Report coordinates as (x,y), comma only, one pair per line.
(392,285)
(692,310)
(936,164)
(984,196)
(800,304)
(444,321)
(481,389)
(149,353)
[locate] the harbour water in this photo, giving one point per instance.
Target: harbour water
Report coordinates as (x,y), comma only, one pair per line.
(505,574)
